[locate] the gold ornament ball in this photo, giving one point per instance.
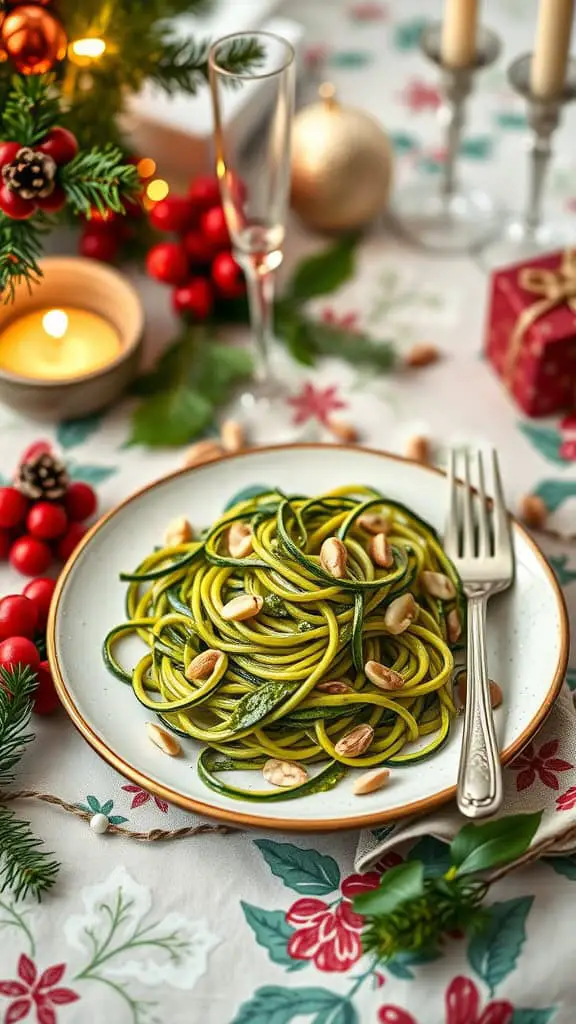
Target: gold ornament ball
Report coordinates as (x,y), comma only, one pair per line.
(341,165)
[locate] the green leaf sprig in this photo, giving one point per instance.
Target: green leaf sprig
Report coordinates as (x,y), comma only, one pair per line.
(412,909)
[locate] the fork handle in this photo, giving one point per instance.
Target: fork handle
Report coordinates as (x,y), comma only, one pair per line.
(480,771)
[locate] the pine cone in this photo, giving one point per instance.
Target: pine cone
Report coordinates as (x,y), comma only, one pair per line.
(42,476)
(31,174)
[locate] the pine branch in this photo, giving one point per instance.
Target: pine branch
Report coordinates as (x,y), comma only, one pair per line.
(183,64)
(31,109)
(99,178)
(21,245)
(24,867)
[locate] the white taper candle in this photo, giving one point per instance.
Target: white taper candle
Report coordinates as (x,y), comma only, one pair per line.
(459,33)
(551,48)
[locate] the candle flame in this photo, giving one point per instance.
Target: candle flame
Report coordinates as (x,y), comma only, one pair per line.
(55,323)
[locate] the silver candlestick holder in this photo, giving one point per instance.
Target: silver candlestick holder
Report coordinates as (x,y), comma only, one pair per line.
(530,233)
(452,218)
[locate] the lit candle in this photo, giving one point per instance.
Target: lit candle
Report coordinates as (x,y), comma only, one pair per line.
(548,70)
(58,344)
(458,47)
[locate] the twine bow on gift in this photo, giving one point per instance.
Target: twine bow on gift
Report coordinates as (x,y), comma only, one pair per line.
(555,287)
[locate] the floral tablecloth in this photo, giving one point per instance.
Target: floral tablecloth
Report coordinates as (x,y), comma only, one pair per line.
(254,929)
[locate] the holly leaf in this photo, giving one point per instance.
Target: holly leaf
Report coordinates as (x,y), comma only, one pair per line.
(305,871)
(493,952)
(401,964)
(171,417)
(272,931)
(355,347)
(273,1004)
(478,847)
(218,367)
(324,272)
(397,886)
(434,855)
(565,866)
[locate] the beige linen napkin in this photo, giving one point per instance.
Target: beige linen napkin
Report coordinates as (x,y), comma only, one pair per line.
(542,777)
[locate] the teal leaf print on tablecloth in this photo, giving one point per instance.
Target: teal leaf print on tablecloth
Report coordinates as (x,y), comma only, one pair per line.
(407,33)
(565,866)
(434,855)
(273,1004)
(533,1016)
(305,871)
(349,59)
(403,142)
(571,678)
(493,953)
(93,806)
(90,474)
(477,147)
(401,966)
(546,440)
(272,931)
(510,120)
(563,573)
(555,492)
(71,433)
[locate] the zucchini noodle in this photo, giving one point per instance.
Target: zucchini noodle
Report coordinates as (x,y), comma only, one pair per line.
(261,699)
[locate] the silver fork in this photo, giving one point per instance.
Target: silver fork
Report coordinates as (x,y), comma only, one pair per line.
(478,541)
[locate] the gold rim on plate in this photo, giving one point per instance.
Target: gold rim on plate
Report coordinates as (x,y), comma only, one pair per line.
(261,821)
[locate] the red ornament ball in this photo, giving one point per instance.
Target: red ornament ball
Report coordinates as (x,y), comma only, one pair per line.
(80,501)
(30,556)
(19,650)
(13,507)
(194,298)
(167,262)
(5,543)
(60,144)
(39,592)
(99,245)
(174,213)
(8,152)
(54,202)
(204,192)
(13,206)
(198,249)
(228,276)
(33,39)
(70,540)
(18,617)
(214,228)
(46,520)
(45,697)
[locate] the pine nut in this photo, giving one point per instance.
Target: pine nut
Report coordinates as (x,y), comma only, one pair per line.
(240,540)
(382,676)
(179,531)
(438,585)
(374,523)
(343,430)
(203,451)
(454,626)
(355,742)
(284,773)
(164,740)
(334,686)
(244,607)
(334,557)
(380,551)
(533,511)
(422,355)
(370,781)
(496,696)
(400,613)
(232,436)
(203,665)
(418,449)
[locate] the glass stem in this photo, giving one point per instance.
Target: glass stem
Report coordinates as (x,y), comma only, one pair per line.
(457,85)
(543,120)
(260,286)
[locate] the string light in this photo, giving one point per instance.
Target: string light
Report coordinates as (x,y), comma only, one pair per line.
(146,167)
(157,190)
(91,47)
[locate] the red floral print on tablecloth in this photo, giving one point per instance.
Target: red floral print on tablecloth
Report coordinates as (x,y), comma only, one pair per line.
(566,801)
(315,403)
(42,993)
(142,796)
(348,321)
(330,936)
(543,765)
(462,1006)
(419,95)
(367,10)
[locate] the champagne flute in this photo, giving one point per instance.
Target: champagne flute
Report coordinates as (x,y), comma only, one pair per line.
(255,183)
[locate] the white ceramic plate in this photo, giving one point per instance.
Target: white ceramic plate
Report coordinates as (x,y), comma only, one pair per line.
(527,636)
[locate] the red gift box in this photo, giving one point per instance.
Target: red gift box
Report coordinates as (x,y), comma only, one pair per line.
(531,332)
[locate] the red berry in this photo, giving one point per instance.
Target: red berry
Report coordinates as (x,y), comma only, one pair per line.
(204,192)
(8,152)
(60,144)
(99,245)
(198,248)
(46,521)
(167,262)
(70,540)
(13,206)
(30,556)
(194,297)
(39,592)
(54,202)
(175,213)
(80,501)
(228,276)
(18,616)
(19,650)
(97,216)
(45,697)
(36,448)
(5,543)
(13,507)
(214,228)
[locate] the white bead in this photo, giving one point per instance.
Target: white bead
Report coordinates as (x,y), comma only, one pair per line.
(99,823)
